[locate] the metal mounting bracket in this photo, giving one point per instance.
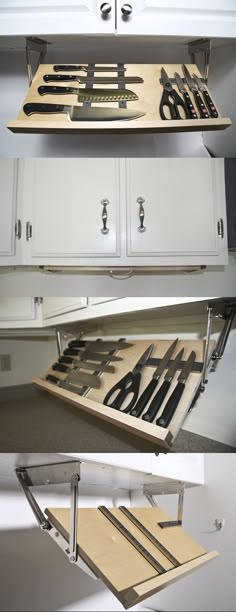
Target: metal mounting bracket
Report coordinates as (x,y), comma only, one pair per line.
(167,488)
(51,474)
(39,46)
(203,46)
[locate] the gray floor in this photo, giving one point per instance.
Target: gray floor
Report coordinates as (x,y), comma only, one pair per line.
(33,421)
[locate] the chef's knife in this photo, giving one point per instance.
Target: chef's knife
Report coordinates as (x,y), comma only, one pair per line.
(80,378)
(81,113)
(85,365)
(147,393)
(193,87)
(209,102)
(100,345)
(183,90)
(162,392)
(62,78)
(79,68)
(174,399)
(84,354)
(64,384)
(89,95)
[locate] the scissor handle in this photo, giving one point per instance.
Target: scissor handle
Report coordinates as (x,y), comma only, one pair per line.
(130,383)
(173,106)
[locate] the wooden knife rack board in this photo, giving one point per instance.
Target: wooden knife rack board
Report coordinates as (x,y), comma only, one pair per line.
(93,402)
(149,93)
(118,563)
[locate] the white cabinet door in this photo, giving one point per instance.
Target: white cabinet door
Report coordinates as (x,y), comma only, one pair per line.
(178,18)
(183,202)
(40,17)
(101,300)
(185,466)
(19,312)
(9,243)
(64,201)
(57,306)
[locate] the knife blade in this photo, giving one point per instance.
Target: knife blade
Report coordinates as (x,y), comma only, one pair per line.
(84,354)
(174,399)
(62,365)
(89,95)
(60,78)
(147,393)
(78,68)
(161,393)
(209,102)
(81,113)
(192,86)
(183,90)
(80,378)
(100,345)
(63,384)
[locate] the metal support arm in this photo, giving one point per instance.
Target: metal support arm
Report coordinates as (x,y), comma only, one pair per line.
(167,488)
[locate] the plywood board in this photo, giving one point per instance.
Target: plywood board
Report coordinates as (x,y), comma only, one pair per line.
(115,560)
(149,93)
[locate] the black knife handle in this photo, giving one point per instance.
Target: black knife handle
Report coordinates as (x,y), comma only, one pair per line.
(60,367)
(157,402)
(144,398)
(190,107)
(54,89)
(210,105)
(53,379)
(65,359)
(69,67)
(59,77)
(201,106)
(77,343)
(171,406)
(38,107)
(71,351)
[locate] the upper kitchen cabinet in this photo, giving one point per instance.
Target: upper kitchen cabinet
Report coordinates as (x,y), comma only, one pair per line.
(20,312)
(10,225)
(175,209)
(55,17)
(71,209)
(177,18)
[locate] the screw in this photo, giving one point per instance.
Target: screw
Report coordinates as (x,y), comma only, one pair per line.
(72,559)
(56,534)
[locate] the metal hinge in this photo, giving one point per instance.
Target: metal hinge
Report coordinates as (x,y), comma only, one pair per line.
(28,231)
(18,229)
(38,300)
(220,228)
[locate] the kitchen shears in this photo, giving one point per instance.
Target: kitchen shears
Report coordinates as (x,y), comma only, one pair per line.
(171,99)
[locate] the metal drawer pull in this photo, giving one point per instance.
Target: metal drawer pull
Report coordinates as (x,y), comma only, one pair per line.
(104,204)
(141,227)
(126,10)
(28,231)
(18,229)
(120,274)
(105,9)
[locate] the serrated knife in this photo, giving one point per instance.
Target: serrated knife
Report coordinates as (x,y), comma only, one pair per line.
(158,399)
(81,113)
(175,397)
(193,87)
(80,68)
(100,345)
(105,80)
(89,95)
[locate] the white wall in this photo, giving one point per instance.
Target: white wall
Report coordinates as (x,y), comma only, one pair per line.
(213,587)
(29,358)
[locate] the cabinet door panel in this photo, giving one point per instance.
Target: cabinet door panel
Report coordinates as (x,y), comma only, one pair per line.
(179,18)
(8,208)
(63,202)
(58,306)
(18,309)
(180,207)
(22,17)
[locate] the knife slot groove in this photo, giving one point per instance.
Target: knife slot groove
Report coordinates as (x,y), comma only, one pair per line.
(121,73)
(89,84)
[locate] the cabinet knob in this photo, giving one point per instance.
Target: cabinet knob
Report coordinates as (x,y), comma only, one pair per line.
(141,227)
(18,229)
(28,231)
(126,10)
(105,9)
(104,204)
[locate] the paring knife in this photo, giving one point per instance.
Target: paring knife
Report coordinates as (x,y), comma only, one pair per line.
(101,345)
(81,113)
(89,95)
(79,378)
(147,393)
(174,399)
(78,68)
(193,87)
(158,399)
(60,78)
(183,90)
(209,102)
(84,354)
(62,366)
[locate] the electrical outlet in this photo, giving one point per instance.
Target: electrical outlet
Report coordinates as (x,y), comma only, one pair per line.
(5,363)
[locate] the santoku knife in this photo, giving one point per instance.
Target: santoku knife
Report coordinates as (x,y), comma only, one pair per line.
(63,384)
(100,345)
(162,392)
(147,393)
(62,366)
(81,113)
(174,399)
(62,78)
(79,378)
(183,90)
(209,102)
(78,68)
(89,95)
(84,354)
(193,87)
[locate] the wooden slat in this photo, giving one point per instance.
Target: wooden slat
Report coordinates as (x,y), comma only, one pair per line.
(149,93)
